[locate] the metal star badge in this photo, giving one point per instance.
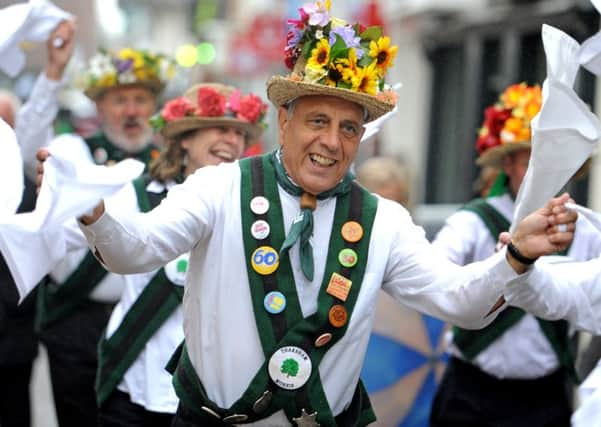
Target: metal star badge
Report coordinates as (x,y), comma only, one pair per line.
(306,420)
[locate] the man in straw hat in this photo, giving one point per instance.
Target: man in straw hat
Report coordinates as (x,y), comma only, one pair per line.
(287,253)
(76,298)
(518,370)
(132,386)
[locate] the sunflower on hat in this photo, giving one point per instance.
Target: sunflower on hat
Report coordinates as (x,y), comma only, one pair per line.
(506,126)
(108,69)
(328,56)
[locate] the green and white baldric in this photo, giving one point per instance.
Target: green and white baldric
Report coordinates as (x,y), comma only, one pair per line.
(473,342)
(159,299)
(288,330)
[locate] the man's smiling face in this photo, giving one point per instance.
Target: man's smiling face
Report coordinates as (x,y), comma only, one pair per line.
(319,136)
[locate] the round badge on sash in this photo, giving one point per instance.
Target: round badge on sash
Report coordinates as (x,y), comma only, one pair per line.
(260,229)
(176,270)
(274,302)
(323,339)
(338,316)
(352,231)
(265,260)
(347,257)
(290,367)
(100,156)
(259,205)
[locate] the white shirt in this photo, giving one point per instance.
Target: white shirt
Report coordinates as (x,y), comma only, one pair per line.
(203,216)
(146,381)
(523,351)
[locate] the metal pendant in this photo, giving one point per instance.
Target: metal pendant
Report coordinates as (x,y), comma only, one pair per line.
(306,420)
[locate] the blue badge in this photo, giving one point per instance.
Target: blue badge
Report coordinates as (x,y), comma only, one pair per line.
(274,302)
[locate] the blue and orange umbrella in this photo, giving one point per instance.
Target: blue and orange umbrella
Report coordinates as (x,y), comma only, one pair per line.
(404,363)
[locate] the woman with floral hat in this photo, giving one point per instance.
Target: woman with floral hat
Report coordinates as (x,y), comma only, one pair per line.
(518,370)
(287,253)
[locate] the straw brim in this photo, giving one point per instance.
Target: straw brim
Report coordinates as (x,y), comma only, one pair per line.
(154,86)
(494,156)
(177,127)
(281,90)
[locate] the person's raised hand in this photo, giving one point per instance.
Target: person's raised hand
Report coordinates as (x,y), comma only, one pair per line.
(60,47)
(41,156)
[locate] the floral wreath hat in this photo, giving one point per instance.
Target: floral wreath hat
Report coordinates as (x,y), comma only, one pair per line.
(126,67)
(209,105)
(506,126)
(328,56)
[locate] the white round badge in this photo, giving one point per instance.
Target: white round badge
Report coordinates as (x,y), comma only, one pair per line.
(259,205)
(260,229)
(176,270)
(290,367)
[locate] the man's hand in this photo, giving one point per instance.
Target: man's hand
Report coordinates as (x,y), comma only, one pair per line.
(544,232)
(60,46)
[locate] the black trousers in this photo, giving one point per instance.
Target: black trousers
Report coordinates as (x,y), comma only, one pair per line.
(14,395)
(119,411)
(72,346)
(468,397)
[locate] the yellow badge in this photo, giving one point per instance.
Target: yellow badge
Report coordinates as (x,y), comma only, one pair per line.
(352,231)
(339,286)
(265,260)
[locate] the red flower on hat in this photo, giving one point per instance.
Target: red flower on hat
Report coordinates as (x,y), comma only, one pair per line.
(494,121)
(176,109)
(210,102)
(251,108)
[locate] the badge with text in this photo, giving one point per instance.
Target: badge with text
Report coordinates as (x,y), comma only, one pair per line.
(259,205)
(290,367)
(339,286)
(176,270)
(260,229)
(352,231)
(274,302)
(265,260)
(347,257)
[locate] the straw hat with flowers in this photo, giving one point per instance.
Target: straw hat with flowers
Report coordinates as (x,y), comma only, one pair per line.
(328,56)
(506,126)
(126,67)
(208,105)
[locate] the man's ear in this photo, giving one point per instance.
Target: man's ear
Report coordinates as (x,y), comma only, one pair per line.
(282,123)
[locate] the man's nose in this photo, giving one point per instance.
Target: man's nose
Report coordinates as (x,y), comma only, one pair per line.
(330,138)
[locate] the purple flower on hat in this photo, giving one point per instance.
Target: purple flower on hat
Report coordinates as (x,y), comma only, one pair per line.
(350,38)
(123,65)
(317,15)
(293,37)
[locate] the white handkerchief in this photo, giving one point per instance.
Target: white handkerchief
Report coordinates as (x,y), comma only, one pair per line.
(373,127)
(11,171)
(589,393)
(33,22)
(32,243)
(593,217)
(561,52)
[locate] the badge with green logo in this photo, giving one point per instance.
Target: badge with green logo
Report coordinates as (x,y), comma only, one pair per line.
(290,367)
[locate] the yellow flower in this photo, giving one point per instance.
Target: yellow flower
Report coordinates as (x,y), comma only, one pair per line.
(107,80)
(135,56)
(366,79)
(337,22)
(532,109)
(314,74)
(383,53)
(349,65)
(320,55)
(513,94)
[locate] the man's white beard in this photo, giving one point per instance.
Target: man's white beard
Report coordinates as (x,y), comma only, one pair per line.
(129,145)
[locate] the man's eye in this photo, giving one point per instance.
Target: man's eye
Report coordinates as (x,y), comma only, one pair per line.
(350,130)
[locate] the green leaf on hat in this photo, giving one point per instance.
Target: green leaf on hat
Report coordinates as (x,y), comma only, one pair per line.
(307,48)
(372,33)
(338,49)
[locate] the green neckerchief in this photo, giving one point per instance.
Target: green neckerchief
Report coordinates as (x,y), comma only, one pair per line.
(302,226)
(103,150)
(500,186)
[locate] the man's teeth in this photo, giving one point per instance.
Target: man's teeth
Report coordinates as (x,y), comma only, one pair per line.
(322,161)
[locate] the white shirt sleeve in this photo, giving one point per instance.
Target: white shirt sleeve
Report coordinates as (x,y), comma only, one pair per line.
(33,124)
(570,290)
(147,241)
(424,279)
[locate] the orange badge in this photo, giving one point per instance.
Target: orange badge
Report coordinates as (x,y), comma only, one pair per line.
(352,231)
(337,316)
(339,286)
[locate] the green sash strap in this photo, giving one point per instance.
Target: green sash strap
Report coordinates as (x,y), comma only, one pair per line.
(156,303)
(472,342)
(104,151)
(289,328)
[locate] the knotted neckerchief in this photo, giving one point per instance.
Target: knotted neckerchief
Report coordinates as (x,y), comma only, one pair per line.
(302,225)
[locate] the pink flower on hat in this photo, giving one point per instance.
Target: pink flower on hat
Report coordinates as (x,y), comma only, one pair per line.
(210,102)
(251,108)
(176,109)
